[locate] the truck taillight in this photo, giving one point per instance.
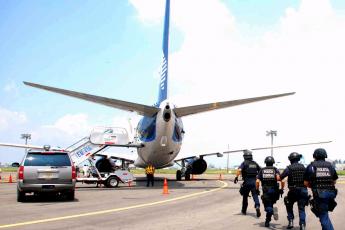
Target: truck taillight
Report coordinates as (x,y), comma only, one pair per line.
(74,173)
(21,173)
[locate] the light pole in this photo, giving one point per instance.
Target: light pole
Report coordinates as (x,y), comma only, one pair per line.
(26,136)
(271,133)
(227,161)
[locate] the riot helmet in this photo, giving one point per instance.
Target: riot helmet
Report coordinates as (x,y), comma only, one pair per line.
(320,154)
(294,157)
(269,161)
(247,154)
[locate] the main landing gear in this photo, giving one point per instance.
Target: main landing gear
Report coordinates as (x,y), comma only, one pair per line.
(184,172)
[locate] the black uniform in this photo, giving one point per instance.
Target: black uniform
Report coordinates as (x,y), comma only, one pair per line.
(297,191)
(249,170)
(270,189)
(322,175)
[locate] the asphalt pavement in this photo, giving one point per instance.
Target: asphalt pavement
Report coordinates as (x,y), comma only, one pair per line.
(204,203)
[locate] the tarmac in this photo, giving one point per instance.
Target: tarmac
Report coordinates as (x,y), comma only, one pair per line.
(203,203)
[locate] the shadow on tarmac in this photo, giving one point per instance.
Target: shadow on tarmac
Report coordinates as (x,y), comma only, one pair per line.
(47,198)
(140,184)
(272,225)
(248,214)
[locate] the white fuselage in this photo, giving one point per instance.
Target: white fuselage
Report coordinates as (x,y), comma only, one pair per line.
(163,149)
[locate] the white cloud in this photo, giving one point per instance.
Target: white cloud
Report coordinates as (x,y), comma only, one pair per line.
(72,124)
(303,52)
(11,87)
(9,119)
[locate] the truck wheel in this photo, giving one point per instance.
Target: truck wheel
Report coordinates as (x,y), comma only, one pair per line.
(20,196)
(70,195)
(187,176)
(112,182)
(178,175)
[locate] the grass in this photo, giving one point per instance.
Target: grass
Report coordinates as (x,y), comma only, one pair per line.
(9,169)
(173,171)
(341,172)
(168,171)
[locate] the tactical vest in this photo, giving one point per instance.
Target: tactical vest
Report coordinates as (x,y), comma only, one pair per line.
(269,176)
(296,174)
(250,169)
(322,177)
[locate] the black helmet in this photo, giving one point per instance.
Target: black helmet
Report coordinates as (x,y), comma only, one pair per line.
(294,156)
(269,161)
(320,154)
(247,154)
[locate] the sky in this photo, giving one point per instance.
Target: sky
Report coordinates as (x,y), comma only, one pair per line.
(219,50)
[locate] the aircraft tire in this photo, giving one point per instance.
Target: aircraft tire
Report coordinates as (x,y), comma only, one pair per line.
(187,176)
(178,175)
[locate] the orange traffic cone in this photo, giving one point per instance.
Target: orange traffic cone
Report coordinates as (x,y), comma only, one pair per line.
(10,179)
(165,186)
(220,177)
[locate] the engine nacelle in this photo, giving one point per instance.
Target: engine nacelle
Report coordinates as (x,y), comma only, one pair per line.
(198,166)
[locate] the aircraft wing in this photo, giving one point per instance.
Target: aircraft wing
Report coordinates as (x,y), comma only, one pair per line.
(220,154)
(189,110)
(25,146)
(141,109)
(277,146)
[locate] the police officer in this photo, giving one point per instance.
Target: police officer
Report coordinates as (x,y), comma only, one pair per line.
(269,177)
(249,170)
(297,190)
(150,171)
(321,177)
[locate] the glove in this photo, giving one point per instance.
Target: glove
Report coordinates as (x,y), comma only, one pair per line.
(281,192)
(236,180)
(258,192)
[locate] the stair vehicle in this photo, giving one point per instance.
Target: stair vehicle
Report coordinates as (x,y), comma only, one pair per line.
(103,171)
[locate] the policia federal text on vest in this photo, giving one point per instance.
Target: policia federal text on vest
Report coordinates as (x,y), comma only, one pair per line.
(321,176)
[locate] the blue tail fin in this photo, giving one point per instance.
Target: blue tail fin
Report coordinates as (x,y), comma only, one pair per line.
(163,83)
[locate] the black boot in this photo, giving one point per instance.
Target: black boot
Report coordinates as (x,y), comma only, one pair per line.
(302,227)
(258,213)
(267,223)
(244,212)
(290,224)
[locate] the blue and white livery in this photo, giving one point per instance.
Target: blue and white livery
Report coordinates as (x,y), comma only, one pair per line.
(161,129)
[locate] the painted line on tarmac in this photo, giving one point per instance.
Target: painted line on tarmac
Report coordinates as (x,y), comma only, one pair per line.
(224,185)
(341,182)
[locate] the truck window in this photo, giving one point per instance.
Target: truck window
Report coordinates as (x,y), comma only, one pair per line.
(51,159)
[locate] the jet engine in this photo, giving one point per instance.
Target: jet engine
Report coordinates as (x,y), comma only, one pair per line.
(167,113)
(197,166)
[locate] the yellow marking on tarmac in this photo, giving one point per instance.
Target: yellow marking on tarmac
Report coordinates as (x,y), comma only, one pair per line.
(114,210)
(341,182)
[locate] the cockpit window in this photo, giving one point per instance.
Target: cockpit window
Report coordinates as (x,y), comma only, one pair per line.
(147,129)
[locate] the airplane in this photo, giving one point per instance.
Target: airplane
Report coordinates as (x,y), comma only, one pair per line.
(160,129)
